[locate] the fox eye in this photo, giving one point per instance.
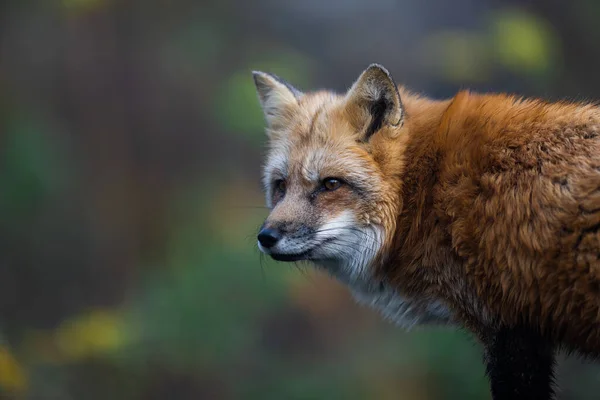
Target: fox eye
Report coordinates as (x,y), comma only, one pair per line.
(331,184)
(280,185)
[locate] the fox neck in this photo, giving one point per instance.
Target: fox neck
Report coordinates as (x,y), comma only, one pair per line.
(413,179)
(402,209)
(372,275)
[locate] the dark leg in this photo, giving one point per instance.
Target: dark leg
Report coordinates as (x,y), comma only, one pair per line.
(520,365)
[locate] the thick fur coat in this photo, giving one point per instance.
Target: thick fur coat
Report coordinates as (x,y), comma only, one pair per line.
(480,210)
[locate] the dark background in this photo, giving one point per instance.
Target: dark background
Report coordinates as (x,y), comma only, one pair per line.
(130,149)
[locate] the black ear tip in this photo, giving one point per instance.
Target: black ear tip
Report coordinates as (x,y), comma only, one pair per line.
(376,68)
(258,76)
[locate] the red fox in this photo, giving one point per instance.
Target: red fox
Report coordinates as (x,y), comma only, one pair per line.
(481,211)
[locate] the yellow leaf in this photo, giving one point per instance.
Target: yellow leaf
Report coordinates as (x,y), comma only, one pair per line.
(12,375)
(95,333)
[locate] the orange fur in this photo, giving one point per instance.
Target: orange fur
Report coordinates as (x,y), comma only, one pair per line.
(502,213)
(489,204)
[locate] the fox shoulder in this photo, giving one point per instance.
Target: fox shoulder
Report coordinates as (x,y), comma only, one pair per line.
(515,186)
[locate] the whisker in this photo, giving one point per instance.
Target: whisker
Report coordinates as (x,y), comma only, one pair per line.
(346,240)
(355,231)
(341,241)
(348,228)
(303,272)
(251,237)
(262,268)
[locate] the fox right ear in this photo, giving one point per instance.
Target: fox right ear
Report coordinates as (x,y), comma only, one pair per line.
(373,102)
(277,97)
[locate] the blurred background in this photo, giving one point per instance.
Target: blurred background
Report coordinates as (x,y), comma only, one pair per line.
(130,149)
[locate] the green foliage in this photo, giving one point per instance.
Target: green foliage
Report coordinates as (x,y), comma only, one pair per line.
(32,168)
(204,309)
(444,348)
(523,42)
(459,56)
(194,50)
(513,40)
(189,310)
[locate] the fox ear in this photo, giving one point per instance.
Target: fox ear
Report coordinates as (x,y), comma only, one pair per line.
(277,97)
(373,102)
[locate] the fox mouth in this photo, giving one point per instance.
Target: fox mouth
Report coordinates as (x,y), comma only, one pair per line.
(302,256)
(290,257)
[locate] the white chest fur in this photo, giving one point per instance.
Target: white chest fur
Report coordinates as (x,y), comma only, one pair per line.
(401,310)
(353,267)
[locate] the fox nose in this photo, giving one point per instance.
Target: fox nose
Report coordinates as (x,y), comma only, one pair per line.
(268,237)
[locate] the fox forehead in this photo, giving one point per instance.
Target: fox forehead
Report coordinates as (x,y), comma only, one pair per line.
(314,147)
(311,164)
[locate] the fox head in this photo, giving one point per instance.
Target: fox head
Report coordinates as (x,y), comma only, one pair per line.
(330,176)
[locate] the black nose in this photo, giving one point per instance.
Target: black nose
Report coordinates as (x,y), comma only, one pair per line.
(268,237)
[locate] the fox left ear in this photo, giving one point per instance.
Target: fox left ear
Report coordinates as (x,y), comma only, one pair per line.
(373,102)
(277,97)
